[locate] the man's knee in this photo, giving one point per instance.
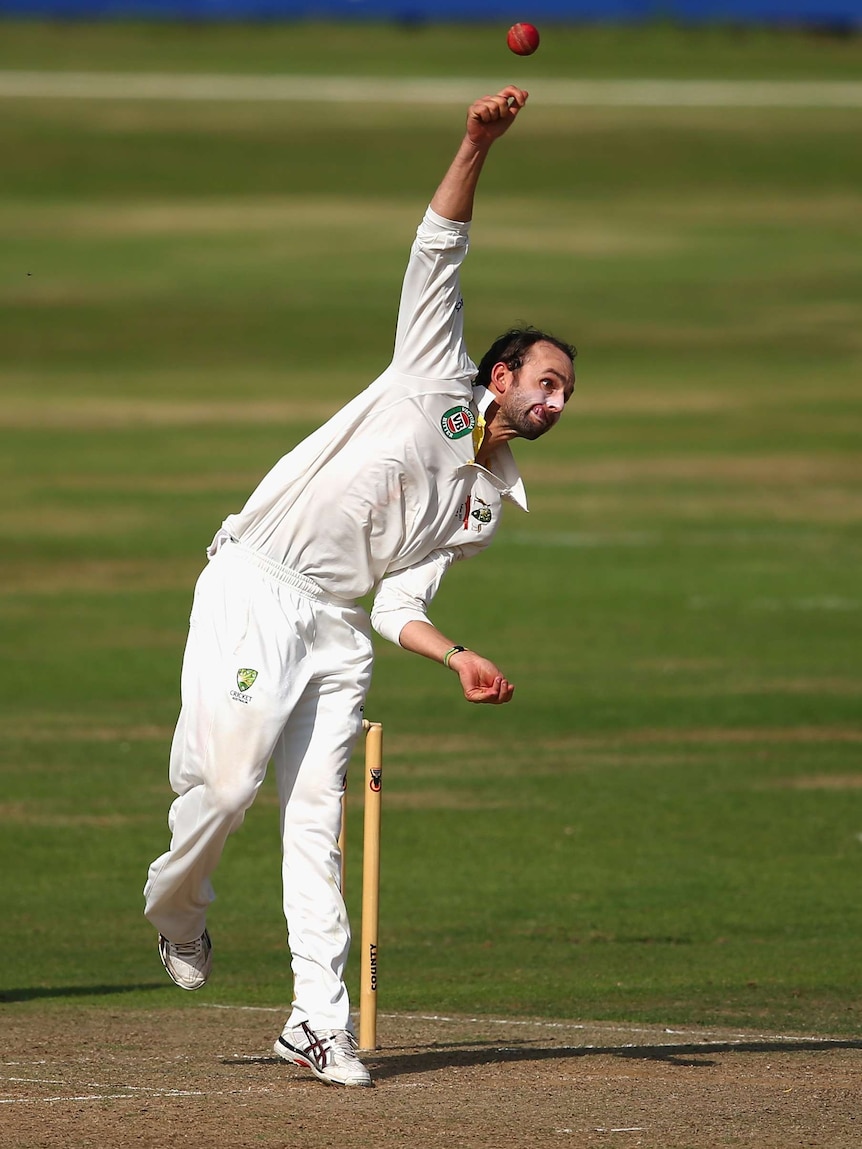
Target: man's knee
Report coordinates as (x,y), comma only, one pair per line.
(230,798)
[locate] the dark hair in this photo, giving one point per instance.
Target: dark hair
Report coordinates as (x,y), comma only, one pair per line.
(511,348)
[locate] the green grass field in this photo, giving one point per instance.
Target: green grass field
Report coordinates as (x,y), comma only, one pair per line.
(666,824)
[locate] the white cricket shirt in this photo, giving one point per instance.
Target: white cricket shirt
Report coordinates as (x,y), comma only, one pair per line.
(387,493)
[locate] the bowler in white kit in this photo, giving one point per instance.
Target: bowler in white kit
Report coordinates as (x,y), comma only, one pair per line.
(406,479)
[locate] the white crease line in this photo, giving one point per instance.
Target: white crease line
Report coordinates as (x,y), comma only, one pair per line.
(35,1080)
(54,1100)
(108,1096)
(700,1035)
(427,90)
(88,1084)
(601,1028)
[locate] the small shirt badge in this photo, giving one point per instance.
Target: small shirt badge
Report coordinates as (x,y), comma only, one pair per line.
(458,422)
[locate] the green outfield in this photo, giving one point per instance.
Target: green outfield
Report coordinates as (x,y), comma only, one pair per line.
(666,824)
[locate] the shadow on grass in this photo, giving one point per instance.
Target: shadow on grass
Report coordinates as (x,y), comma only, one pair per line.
(37,993)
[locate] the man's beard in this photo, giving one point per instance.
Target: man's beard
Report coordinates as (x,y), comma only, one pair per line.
(520,418)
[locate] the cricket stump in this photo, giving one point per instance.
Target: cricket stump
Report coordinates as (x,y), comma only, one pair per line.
(370,885)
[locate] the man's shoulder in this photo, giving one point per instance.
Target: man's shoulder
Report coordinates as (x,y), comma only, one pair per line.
(425,391)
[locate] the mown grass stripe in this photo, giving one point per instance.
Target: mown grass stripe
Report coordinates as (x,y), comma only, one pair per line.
(350,89)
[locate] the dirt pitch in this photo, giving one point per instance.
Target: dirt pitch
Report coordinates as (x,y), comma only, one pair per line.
(204,1075)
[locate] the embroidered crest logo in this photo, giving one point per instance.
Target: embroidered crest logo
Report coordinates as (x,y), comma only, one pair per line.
(458,422)
(245,679)
(483,514)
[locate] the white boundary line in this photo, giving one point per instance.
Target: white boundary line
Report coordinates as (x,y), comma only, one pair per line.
(420,90)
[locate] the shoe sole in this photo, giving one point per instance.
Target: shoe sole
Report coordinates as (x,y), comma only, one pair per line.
(294,1057)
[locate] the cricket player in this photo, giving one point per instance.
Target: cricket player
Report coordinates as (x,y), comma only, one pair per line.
(406,479)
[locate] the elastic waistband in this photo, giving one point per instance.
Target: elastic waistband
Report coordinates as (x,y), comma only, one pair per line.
(291,578)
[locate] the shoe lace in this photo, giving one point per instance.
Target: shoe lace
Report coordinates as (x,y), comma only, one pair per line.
(344,1040)
(188,949)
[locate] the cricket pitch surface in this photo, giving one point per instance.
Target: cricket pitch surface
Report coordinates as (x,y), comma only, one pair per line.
(206,1075)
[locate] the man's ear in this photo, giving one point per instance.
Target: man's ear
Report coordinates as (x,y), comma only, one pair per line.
(500,378)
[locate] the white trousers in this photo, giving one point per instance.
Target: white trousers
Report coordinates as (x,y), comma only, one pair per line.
(273,670)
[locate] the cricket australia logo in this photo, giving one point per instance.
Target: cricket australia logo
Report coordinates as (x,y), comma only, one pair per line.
(245,679)
(458,422)
(482,514)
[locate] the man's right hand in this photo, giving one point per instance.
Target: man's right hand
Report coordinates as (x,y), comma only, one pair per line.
(490,116)
(481,681)
(487,119)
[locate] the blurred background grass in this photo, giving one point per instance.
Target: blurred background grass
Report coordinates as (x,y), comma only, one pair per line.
(666,823)
(362,47)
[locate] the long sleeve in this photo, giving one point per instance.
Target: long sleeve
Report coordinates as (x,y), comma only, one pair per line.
(429,339)
(405,596)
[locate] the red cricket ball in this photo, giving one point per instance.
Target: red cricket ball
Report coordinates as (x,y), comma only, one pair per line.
(523,39)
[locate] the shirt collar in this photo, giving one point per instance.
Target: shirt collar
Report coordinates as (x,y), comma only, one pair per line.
(482,398)
(505,475)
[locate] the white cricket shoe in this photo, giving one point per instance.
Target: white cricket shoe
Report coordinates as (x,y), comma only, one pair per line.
(188,963)
(330,1054)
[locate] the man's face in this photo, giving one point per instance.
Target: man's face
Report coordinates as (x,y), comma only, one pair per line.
(531,398)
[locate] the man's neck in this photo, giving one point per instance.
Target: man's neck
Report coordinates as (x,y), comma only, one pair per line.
(495,435)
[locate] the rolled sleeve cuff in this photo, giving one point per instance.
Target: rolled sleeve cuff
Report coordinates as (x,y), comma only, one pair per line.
(390,623)
(440,221)
(404,597)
